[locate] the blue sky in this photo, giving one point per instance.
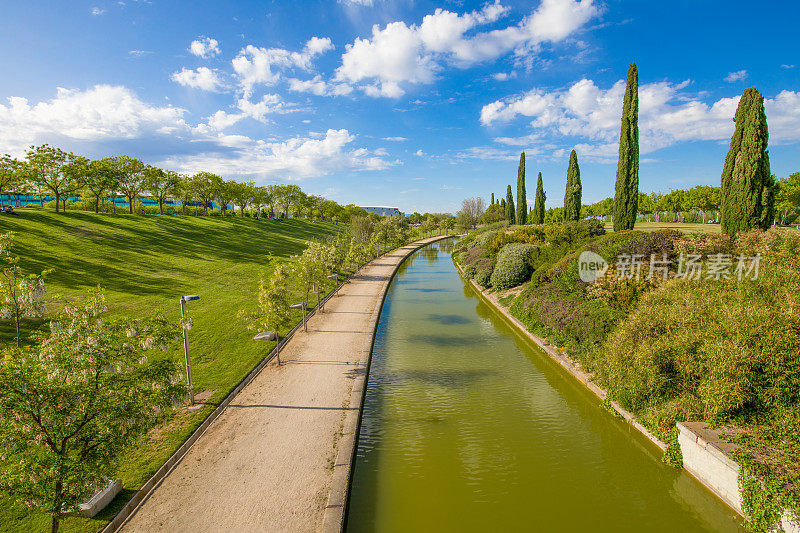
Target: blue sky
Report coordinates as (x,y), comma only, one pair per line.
(414,104)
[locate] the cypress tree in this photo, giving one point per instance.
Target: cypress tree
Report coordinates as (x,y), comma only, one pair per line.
(522,200)
(572,197)
(492,199)
(626,197)
(503,207)
(747,198)
(538,204)
(510,214)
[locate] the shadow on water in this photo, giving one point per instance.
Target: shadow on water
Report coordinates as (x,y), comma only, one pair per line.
(442,378)
(448,319)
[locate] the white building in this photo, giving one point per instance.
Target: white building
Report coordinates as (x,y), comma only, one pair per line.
(382,210)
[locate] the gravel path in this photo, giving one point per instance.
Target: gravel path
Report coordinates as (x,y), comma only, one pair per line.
(266,463)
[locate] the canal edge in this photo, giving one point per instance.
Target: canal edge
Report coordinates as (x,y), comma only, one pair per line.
(335,513)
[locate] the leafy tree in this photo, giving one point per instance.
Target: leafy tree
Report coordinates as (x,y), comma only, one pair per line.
(748,187)
(10,175)
(49,168)
(102,177)
(131,183)
(243,194)
(788,195)
(510,212)
(494,213)
(224,192)
(471,211)
(626,195)
(70,405)
(522,200)
(21,295)
(204,188)
(572,196)
(538,204)
(186,192)
(161,184)
(273,311)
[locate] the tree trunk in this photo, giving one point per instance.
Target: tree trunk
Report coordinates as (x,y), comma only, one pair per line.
(161,206)
(130,205)
(57,509)
(58,199)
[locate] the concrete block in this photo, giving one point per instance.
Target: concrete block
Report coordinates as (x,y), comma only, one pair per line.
(98,502)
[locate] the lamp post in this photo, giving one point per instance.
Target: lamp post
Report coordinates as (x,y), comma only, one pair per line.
(184,299)
(301,305)
(334,277)
(271,336)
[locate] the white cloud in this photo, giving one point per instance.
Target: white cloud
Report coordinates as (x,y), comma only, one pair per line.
(787,66)
(504,76)
(739,75)
(361,3)
(203,78)
(419,153)
(487,153)
(401,54)
(205,47)
(395,139)
(269,104)
(256,65)
(100,113)
(319,87)
(97,11)
(293,159)
(139,53)
(666,115)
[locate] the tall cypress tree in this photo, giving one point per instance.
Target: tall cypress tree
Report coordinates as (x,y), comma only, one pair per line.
(572,197)
(538,204)
(503,207)
(510,214)
(522,200)
(492,199)
(747,198)
(626,197)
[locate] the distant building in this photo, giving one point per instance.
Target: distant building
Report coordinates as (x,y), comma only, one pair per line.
(381,210)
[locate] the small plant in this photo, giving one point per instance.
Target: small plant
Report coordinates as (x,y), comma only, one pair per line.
(21,295)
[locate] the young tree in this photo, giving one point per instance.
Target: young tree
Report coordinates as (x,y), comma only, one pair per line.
(225,191)
(101,178)
(504,208)
(627,188)
(21,295)
(70,405)
(48,167)
(472,210)
(538,204)
(572,196)
(204,187)
(748,187)
(185,192)
(511,215)
(161,184)
(522,200)
(243,194)
(131,172)
(10,175)
(273,311)
(788,196)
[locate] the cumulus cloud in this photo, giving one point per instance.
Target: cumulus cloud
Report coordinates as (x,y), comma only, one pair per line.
(293,159)
(256,65)
(667,115)
(97,11)
(401,54)
(205,47)
(361,3)
(269,104)
(319,87)
(395,139)
(100,113)
(739,75)
(202,78)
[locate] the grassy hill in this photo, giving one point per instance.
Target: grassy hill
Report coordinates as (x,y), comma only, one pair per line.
(144,264)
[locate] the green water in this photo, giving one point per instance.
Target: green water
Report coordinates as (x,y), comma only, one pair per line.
(469,427)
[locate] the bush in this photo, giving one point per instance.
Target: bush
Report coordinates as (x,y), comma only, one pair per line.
(512,266)
(470,271)
(483,277)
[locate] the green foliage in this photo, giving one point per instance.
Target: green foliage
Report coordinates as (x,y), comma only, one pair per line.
(673,455)
(572,196)
(761,504)
(626,195)
(538,205)
(21,295)
(96,388)
(483,277)
(511,215)
(512,266)
(748,187)
(522,201)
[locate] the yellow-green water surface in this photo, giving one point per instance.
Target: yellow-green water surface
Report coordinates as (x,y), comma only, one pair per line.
(467,426)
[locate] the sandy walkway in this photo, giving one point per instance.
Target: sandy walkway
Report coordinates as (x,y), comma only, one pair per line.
(266,463)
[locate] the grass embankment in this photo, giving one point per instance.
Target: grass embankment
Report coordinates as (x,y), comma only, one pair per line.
(725,351)
(144,264)
(685,227)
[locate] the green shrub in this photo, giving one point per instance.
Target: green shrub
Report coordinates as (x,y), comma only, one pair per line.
(470,271)
(483,277)
(484,239)
(512,266)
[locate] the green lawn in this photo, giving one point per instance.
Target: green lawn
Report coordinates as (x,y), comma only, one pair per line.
(685,227)
(144,264)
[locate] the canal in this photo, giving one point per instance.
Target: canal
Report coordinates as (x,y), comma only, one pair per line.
(468,426)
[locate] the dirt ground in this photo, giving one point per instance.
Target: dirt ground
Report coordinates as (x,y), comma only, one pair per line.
(266,463)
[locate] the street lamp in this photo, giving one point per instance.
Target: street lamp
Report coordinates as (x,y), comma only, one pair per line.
(271,336)
(301,305)
(334,277)
(184,299)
